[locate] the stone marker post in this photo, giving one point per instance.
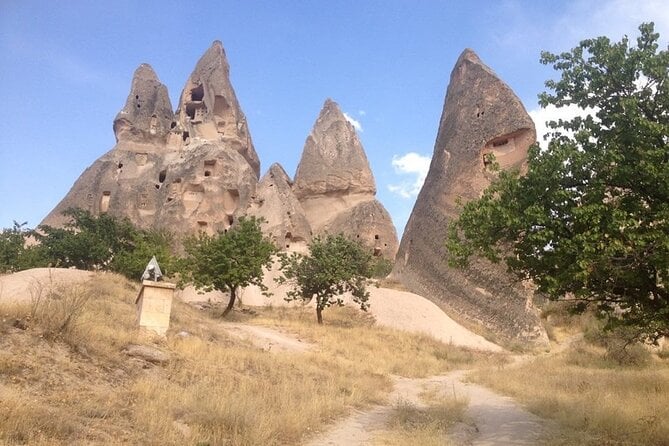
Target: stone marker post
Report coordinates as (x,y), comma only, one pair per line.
(154,302)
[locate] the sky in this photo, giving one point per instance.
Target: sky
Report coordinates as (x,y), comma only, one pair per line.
(66,68)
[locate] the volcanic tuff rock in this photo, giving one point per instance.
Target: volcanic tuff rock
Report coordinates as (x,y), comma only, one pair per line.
(481,115)
(285,221)
(147,115)
(197,172)
(209,109)
(336,187)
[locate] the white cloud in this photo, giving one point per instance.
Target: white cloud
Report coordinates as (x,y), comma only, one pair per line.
(410,164)
(541,116)
(354,122)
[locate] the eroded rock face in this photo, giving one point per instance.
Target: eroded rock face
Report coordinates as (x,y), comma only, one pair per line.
(147,115)
(336,187)
(481,115)
(285,221)
(209,110)
(160,177)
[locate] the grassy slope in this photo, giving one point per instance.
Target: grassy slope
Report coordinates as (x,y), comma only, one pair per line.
(74,385)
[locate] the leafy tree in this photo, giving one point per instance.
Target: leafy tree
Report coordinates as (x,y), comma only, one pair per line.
(11,246)
(335,265)
(590,220)
(86,241)
(228,260)
(132,260)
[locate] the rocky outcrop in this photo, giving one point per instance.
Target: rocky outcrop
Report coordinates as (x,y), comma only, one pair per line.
(209,110)
(336,187)
(183,174)
(285,221)
(147,115)
(481,115)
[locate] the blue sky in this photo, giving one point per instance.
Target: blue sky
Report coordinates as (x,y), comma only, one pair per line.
(66,67)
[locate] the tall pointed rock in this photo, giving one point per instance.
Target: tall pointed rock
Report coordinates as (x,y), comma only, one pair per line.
(335,185)
(156,175)
(209,110)
(147,115)
(481,115)
(284,219)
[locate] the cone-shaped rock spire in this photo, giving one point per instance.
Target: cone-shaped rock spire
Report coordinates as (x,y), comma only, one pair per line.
(285,221)
(209,110)
(481,115)
(333,160)
(336,187)
(147,115)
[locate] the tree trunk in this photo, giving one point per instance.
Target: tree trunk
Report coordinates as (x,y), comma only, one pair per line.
(233,296)
(319,314)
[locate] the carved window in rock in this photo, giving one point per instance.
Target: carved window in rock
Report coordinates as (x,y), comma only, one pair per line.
(153,126)
(104,201)
(288,239)
(197,93)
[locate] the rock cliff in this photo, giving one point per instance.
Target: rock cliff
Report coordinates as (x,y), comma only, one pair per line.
(481,115)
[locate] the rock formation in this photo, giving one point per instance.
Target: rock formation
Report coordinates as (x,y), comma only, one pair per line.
(194,171)
(208,108)
(481,115)
(285,221)
(336,187)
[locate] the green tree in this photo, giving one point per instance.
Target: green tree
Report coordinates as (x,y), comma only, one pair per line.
(132,260)
(590,219)
(228,260)
(86,241)
(335,265)
(11,246)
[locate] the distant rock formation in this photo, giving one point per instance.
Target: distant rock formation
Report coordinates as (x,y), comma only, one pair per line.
(336,187)
(285,221)
(194,171)
(481,115)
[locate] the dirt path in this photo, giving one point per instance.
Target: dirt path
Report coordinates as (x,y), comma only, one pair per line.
(266,338)
(492,419)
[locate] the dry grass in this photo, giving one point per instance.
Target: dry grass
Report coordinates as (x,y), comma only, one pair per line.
(425,425)
(594,399)
(79,388)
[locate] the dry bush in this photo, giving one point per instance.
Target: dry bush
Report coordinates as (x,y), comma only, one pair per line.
(428,425)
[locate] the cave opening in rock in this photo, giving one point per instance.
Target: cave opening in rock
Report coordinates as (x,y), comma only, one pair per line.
(197,93)
(231,220)
(185,136)
(376,236)
(162,175)
(207,173)
(500,142)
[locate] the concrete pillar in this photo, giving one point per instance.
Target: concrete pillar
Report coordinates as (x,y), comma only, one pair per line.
(154,305)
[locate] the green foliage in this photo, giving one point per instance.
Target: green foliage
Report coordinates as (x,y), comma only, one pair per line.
(381,267)
(334,266)
(590,219)
(131,262)
(86,241)
(228,260)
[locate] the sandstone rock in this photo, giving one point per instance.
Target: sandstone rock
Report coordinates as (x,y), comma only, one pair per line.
(147,115)
(335,185)
(481,115)
(147,353)
(205,184)
(209,110)
(285,221)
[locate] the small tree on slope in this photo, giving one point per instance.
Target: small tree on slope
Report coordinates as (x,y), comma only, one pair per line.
(228,260)
(335,265)
(590,219)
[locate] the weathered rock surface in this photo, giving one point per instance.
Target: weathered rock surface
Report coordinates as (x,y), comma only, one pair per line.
(481,115)
(335,185)
(285,221)
(197,173)
(147,115)
(209,110)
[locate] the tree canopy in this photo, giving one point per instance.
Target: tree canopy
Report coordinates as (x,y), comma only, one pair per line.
(335,265)
(589,221)
(228,260)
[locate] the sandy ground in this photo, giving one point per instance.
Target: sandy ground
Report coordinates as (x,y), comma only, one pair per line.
(23,286)
(391,308)
(266,338)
